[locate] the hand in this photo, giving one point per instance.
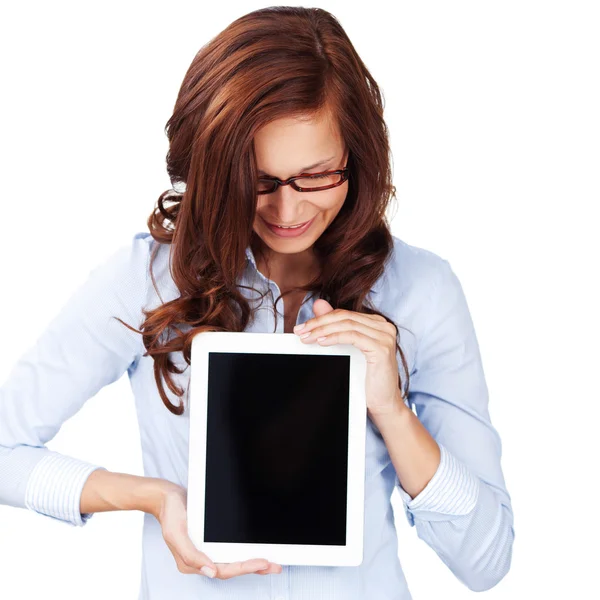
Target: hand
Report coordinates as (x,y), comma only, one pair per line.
(172,516)
(372,334)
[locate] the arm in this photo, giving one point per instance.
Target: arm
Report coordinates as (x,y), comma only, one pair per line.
(459,503)
(416,456)
(82,349)
(105,491)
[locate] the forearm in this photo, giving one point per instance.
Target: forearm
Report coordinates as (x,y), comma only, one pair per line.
(414,453)
(467,523)
(105,490)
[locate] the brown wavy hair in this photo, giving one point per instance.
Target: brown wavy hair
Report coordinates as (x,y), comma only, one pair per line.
(274,62)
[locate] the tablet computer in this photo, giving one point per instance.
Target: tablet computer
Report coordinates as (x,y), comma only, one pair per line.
(276,449)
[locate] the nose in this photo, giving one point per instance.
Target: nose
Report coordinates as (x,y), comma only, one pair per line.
(286,200)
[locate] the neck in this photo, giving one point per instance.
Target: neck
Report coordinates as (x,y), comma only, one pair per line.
(287,270)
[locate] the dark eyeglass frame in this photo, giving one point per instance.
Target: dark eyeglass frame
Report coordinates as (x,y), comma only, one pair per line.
(345,172)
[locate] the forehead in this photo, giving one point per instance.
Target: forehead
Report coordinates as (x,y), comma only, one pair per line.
(288,146)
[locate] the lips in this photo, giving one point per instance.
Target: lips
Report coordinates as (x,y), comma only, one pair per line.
(277,225)
(289,232)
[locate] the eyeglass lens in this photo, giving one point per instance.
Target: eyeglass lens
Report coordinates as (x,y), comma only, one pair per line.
(312,182)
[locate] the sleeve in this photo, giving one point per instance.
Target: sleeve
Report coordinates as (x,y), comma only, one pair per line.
(464,513)
(82,350)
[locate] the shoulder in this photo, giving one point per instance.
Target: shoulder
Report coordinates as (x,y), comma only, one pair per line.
(141,245)
(411,273)
(129,259)
(405,291)
(150,261)
(120,280)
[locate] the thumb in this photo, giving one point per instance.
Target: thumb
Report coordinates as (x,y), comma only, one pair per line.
(321,307)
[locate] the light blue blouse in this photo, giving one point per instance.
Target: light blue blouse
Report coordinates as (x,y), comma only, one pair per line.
(464,513)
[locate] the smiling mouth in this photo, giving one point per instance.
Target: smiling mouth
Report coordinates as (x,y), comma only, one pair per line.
(286,226)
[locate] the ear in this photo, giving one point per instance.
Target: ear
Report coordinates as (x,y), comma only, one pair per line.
(321,307)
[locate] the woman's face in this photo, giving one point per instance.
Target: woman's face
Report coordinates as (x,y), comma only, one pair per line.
(285,148)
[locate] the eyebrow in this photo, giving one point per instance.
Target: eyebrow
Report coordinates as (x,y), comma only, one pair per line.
(317,164)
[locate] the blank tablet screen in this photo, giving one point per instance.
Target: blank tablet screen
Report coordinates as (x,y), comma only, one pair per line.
(277,448)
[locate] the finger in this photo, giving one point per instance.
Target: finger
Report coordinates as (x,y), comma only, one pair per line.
(350,325)
(184,568)
(273,568)
(183,547)
(235,569)
(339,314)
(366,343)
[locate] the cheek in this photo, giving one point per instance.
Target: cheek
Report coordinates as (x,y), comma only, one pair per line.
(337,201)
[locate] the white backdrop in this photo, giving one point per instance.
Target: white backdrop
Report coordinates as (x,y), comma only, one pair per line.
(494,123)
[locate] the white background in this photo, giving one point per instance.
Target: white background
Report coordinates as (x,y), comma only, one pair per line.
(493,110)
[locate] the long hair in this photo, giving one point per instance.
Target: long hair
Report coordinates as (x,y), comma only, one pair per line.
(272,63)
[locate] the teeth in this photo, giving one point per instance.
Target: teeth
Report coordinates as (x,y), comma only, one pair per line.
(290,227)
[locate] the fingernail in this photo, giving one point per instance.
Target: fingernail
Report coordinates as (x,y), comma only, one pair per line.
(208,571)
(298,327)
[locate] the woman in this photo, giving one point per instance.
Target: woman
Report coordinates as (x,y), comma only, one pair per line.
(279,160)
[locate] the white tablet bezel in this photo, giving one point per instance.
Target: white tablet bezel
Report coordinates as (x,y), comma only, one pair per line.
(288,554)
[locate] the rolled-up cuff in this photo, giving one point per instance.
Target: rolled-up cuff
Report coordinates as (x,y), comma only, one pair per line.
(453,490)
(55,485)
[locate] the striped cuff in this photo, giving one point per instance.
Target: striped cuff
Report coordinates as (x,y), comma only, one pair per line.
(55,485)
(453,490)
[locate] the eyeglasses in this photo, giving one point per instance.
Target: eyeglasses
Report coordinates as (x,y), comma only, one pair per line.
(305,182)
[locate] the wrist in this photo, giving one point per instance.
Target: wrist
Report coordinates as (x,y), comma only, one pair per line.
(150,495)
(154,496)
(395,411)
(395,408)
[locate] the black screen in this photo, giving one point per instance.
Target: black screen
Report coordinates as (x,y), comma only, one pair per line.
(277,444)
